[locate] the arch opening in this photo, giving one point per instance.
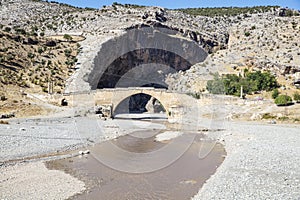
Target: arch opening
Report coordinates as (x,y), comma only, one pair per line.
(140,103)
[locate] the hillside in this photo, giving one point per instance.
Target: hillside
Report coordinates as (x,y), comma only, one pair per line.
(259,42)
(44,43)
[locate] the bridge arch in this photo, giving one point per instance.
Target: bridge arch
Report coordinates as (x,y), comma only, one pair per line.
(139,103)
(121,96)
(173,103)
(166,99)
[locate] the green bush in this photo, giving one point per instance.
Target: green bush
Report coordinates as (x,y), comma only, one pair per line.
(7,29)
(45,90)
(247,34)
(268,116)
(284,118)
(67,52)
(228,11)
(216,86)
(195,95)
(230,84)
(3,98)
(296,97)
(30,55)
(40,50)
(275,93)
(68,37)
(20,31)
(283,100)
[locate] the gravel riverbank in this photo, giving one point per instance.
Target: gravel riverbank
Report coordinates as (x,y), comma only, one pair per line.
(21,140)
(34,181)
(24,138)
(262,163)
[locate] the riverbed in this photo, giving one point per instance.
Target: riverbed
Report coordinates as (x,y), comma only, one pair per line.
(181,179)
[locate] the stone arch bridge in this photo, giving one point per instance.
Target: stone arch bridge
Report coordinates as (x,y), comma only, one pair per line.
(174,103)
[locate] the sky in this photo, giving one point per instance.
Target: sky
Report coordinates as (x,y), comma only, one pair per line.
(294,4)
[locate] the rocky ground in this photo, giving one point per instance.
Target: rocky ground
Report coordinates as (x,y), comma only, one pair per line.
(27,143)
(33,180)
(262,160)
(262,163)
(264,41)
(271,45)
(29,138)
(30,68)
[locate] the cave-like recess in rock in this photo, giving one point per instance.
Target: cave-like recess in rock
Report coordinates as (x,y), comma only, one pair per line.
(125,63)
(137,47)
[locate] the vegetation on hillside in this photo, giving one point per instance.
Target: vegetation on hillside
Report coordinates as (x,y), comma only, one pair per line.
(296,97)
(283,100)
(128,5)
(230,84)
(275,93)
(28,60)
(228,11)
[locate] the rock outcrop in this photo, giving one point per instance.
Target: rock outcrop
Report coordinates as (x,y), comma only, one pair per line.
(262,41)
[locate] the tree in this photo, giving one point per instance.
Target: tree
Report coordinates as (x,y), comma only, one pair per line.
(40,50)
(68,52)
(68,37)
(283,100)
(275,93)
(7,29)
(261,81)
(231,84)
(216,86)
(30,55)
(3,98)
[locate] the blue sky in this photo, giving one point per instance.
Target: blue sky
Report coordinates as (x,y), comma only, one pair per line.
(295,4)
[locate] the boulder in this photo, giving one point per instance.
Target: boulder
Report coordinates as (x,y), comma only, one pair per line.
(51,43)
(160,15)
(297,78)
(145,16)
(16,38)
(32,41)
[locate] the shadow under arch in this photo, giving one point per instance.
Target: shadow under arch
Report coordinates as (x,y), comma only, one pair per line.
(139,103)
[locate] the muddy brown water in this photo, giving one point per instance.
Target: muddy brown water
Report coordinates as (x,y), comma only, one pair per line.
(180,180)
